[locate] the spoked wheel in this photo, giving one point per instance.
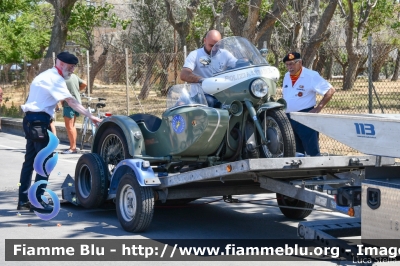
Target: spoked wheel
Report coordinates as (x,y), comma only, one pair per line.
(113,147)
(135,204)
(278,132)
(91,180)
(86,132)
(304,210)
(82,141)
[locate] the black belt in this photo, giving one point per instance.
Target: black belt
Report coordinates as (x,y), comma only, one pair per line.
(39,113)
(307,109)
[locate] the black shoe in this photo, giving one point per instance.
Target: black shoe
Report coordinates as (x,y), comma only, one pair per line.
(47,208)
(23,205)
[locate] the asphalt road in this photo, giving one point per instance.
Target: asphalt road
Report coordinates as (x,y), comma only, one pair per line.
(207,218)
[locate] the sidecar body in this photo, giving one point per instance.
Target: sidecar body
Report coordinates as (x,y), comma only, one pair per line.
(187,128)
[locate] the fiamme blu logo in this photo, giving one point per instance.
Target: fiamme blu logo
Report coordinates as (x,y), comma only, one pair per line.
(44,163)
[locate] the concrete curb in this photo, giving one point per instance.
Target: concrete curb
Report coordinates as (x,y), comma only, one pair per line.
(14,126)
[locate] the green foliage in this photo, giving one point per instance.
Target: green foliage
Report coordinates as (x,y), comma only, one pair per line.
(85,18)
(383,15)
(8,8)
(380,17)
(12,111)
(25,30)
(264,8)
(150,32)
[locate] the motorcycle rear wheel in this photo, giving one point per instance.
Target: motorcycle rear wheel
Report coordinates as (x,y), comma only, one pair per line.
(279,133)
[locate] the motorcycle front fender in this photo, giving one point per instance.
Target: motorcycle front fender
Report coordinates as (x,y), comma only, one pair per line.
(270,105)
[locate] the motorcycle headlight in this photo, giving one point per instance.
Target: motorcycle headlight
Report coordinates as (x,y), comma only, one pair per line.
(259,88)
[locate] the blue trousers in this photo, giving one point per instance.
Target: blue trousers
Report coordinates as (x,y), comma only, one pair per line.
(306,138)
(212,101)
(32,149)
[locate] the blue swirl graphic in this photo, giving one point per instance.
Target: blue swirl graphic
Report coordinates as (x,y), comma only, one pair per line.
(32,198)
(43,154)
(44,169)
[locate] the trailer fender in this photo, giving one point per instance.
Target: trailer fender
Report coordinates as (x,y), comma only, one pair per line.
(143,172)
(131,132)
(270,105)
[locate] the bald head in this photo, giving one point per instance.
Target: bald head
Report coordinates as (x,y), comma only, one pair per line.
(212,37)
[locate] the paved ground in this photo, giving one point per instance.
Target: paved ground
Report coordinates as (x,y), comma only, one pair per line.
(217,220)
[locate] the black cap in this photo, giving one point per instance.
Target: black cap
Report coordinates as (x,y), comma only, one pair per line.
(68,58)
(291,56)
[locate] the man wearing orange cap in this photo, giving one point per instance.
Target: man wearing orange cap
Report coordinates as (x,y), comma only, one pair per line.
(300,87)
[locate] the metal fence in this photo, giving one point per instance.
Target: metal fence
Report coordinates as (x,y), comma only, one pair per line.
(134,83)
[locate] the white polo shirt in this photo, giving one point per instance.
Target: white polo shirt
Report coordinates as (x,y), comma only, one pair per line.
(302,94)
(219,62)
(192,62)
(46,90)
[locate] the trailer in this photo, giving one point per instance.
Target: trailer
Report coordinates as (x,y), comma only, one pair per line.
(295,180)
(338,183)
(374,227)
(364,187)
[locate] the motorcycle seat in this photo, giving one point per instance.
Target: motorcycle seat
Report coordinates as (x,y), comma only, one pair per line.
(151,122)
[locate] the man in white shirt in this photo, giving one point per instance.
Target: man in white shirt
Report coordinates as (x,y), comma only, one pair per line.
(46,90)
(195,72)
(299,88)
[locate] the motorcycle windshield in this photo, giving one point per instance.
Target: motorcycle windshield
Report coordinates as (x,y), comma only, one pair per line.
(233,53)
(185,94)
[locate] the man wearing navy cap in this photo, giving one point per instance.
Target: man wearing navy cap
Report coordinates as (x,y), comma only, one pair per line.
(300,87)
(46,90)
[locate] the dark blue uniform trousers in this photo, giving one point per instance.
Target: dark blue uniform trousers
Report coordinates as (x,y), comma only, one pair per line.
(306,138)
(32,149)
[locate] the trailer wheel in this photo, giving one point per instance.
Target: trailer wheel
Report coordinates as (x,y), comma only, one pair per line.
(113,147)
(278,131)
(134,203)
(91,180)
(297,214)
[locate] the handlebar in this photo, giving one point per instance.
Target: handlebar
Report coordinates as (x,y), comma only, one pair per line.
(92,98)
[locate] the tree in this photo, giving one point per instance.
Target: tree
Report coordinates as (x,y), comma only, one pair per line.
(84,20)
(251,19)
(380,52)
(318,32)
(150,37)
(25,34)
(62,9)
(362,18)
(181,24)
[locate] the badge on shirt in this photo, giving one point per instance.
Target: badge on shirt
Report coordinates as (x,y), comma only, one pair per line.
(300,94)
(301,86)
(286,86)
